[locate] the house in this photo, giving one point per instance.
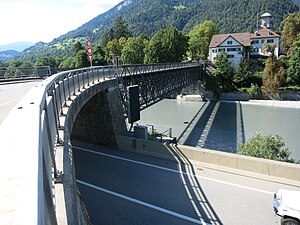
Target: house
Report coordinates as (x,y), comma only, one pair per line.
(235,44)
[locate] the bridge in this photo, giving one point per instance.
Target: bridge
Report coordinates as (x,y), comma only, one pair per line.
(42,123)
(88,105)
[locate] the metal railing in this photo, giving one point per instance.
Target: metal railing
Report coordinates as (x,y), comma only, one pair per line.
(37,119)
(24,72)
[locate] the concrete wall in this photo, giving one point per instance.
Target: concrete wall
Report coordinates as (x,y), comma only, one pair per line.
(100,119)
(235,161)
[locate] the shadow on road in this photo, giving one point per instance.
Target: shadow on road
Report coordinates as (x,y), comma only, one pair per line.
(140,189)
(193,188)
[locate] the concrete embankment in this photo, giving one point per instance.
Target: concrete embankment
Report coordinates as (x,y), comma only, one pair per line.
(270,168)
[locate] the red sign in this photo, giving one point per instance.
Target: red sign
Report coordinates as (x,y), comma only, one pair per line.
(88,43)
(89,51)
(90,58)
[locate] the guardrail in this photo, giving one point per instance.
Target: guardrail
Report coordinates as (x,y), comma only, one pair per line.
(30,135)
(24,72)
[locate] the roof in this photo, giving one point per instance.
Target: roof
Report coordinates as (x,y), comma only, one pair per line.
(266,15)
(242,38)
(264,33)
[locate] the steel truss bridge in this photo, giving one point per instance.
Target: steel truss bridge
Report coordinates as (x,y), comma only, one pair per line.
(157,80)
(42,122)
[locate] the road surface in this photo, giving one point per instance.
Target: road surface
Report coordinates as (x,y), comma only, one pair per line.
(10,94)
(127,188)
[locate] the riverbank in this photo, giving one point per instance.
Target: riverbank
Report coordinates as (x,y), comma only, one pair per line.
(275,103)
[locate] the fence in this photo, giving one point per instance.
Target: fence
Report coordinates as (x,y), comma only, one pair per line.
(24,72)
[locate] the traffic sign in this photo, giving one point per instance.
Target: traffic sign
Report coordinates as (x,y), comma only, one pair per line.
(90,58)
(88,43)
(89,51)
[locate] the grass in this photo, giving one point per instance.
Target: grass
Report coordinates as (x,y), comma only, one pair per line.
(290,88)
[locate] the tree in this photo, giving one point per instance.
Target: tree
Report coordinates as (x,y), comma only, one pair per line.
(293,72)
(99,56)
(81,59)
(46,61)
(113,49)
(274,72)
(133,51)
(200,37)
(68,62)
(119,29)
(77,47)
(224,71)
(267,147)
(291,28)
(243,73)
(168,45)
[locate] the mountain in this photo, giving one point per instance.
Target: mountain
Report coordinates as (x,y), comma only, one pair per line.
(149,16)
(297,2)
(7,55)
(17,46)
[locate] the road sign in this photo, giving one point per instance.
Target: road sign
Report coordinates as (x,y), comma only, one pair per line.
(88,43)
(90,58)
(89,51)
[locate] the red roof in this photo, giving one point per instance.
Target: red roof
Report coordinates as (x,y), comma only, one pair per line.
(243,38)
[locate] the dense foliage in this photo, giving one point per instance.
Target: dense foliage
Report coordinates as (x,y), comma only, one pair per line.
(293,72)
(267,147)
(274,72)
(168,45)
(290,30)
(200,37)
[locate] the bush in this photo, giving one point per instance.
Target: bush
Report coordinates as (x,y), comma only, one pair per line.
(254,91)
(267,147)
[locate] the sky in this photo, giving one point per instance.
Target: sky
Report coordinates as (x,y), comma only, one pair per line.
(44,20)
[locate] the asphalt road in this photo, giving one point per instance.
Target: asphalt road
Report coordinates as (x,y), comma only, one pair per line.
(128,188)
(11,93)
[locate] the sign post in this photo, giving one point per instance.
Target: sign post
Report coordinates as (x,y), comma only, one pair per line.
(89,51)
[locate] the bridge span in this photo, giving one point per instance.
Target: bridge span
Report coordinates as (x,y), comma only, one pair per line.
(38,183)
(37,170)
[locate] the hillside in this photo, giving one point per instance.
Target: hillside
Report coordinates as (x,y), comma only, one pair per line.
(17,46)
(149,16)
(7,55)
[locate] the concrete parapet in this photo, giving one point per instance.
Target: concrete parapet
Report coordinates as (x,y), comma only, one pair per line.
(240,162)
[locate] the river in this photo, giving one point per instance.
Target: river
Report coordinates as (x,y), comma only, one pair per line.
(224,126)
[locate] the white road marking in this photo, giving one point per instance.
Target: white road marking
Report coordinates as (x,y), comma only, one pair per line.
(5,103)
(175,171)
(163,210)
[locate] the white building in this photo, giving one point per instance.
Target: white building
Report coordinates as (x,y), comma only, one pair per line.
(234,45)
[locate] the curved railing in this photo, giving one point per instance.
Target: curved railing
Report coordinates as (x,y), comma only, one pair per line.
(31,133)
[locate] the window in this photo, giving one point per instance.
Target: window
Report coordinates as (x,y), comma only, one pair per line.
(262,41)
(221,49)
(270,41)
(233,49)
(254,49)
(255,42)
(230,56)
(229,42)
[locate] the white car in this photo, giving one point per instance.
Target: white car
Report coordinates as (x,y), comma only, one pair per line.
(286,204)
